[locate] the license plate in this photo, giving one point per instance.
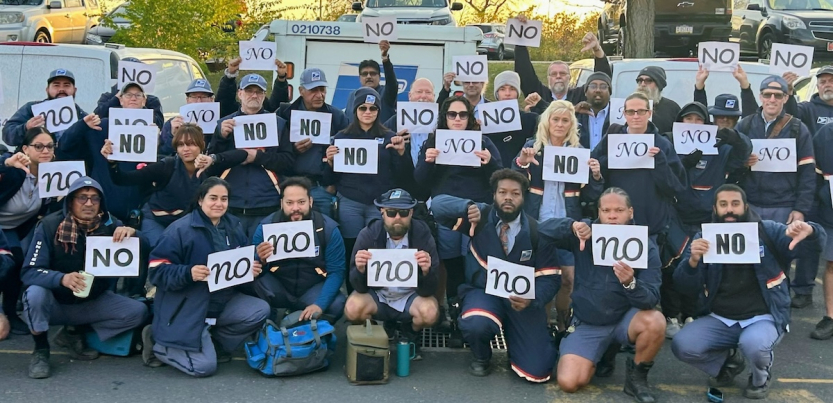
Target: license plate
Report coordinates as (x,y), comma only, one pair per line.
(830,46)
(685,29)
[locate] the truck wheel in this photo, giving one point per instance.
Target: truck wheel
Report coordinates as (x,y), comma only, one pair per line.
(765,45)
(42,37)
(501,53)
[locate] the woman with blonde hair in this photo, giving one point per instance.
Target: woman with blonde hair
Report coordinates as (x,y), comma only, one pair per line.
(557,127)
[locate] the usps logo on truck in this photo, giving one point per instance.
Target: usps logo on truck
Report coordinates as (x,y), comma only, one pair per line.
(349,80)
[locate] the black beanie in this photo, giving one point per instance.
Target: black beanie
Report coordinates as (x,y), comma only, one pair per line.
(599,76)
(657,74)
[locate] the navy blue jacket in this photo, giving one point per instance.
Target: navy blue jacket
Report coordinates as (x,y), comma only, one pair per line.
(748,103)
(108,100)
(509,144)
(410,184)
(598,296)
(181,304)
(574,193)
(166,138)
(465,182)
(823,149)
(15,128)
(389,93)
(311,163)
(652,191)
(11,180)
(814,113)
(795,190)
(584,127)
(703,281)
(252,185)
(6,260)
(227,96)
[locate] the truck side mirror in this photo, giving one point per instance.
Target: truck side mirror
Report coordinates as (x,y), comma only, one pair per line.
(357,6)
(753,7)
(456,6)
(55,5)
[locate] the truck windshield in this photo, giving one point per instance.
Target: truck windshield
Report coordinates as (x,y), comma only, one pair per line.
(21,2)
(404,3)
(801,4)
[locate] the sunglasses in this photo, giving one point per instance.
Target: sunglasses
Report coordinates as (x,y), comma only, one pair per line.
(368,108)
(646,80)
(39,147)
(452,115)
(393,212)
(368,74)
(768,95)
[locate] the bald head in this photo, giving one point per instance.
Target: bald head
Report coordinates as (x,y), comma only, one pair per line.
(422,90)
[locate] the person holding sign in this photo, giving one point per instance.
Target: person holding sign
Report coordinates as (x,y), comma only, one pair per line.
(308,156)
(415,307)
(309,284)
(508,88)
(726,104)
(818,111)
(553,199)
(198,91)
(20,208)
(748,305)
(54,275)
(227,91)
(255,184)
(611,305)
(116,99)
(61,83)
(782,196)
(501,229)
(651,82)
(369,72)
(193,329)
(472,91)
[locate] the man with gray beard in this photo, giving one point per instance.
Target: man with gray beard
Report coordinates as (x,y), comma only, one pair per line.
(651,82)
(818,111)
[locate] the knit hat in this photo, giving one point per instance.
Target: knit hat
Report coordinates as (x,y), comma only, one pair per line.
(508,77)
(366,95)
(657,74)
(599,76)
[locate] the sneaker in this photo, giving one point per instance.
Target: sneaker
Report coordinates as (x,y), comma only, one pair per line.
(672,327)
(802,301)
(824,329)
(756,392)
(734,365)
(75,344)
(479,367)
(148,357)
(39,364)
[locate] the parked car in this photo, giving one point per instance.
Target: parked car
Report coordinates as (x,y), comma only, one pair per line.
(102,33)
(492,45)
(757,24)
(348,18)
(428,12)
(47,21)
(807,86)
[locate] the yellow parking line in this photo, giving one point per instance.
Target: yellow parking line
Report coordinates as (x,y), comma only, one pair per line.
(798,380)
(29,352)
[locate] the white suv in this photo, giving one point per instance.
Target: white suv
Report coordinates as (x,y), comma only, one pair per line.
(47,21)
(427,12)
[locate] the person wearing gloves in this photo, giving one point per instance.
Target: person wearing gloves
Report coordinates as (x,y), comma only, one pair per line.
(508,88)
(198,91)
(114,99)
(650,82)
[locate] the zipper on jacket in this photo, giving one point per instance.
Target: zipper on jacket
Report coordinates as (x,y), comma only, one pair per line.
(176,312)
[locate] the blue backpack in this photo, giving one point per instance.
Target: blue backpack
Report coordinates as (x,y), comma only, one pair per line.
(291,350)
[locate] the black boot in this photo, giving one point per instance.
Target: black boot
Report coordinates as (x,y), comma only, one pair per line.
(734,365)
(455,339)
(636,381)
(605,367)
(443,323)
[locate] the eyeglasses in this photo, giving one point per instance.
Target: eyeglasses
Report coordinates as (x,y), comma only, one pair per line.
(452,115)
(646,80)
(369,73)
(254,91)
(371,108)
(768,95)
(393,212)
(83,199)
(133,95)
(558,74)
(39,147)
(594,87)
(640,112)
(200,98)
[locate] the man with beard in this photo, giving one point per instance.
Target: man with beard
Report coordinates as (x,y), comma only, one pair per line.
(558,74)
(747,304)
(502,230)
(416,308)
(651,82)
(818,111)
(61,83)
(594,114)
(369,73)
(310,284)
(611,305)
(783,196)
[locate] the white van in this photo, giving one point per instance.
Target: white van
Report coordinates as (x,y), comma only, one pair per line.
(425,12)
(338,47)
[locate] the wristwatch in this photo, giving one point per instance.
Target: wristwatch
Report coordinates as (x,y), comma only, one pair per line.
(630,286)
(213,158)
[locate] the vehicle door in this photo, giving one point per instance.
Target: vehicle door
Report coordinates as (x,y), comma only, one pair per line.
(60,19)
(76,11)
(750,21)
(172,79)
(90,17)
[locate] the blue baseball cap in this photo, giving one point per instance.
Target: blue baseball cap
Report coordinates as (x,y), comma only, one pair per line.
(200,85)
(313,78)
(61,73)
(780,84)
(253,79)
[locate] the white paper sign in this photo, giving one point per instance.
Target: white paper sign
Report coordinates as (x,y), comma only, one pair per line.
(457,147)
(617,110)
(392,268)
(203,114)
(626,243)
(377,29)
(689,137)
(105,258)
(257,55)
(718,56)
(528,34)
(134,143)
(140,73)
(732,243)
(310,125)
(255,131)
(59,113)
(629,151)
(505,279)
(291,239)
(499,117)
(123,116)
(775,155)
(356,156)
(55,178)
(790,58)
(230,268)
(470,68)
(566,164)
(417,117)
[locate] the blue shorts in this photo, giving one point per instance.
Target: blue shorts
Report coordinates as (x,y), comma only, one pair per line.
(354,216)
(452,243)
(591,341)
(385,313)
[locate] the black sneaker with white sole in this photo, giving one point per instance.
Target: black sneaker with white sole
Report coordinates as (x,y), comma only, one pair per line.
(824,329)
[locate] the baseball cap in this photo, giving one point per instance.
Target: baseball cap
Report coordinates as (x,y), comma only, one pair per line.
(61,73)
(313,78)
(132,84)
(825,70)
(253,79)
(780,82)
(396,198)
(199,85)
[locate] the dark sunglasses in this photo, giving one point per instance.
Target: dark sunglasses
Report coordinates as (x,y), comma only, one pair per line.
(368,73)
(393,212)
(777,95)
(646,80)
(451,115)
(366,108)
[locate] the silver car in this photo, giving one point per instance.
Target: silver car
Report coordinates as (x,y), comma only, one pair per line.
(492,45)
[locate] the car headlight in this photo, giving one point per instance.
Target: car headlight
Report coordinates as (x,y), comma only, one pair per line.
(93,38)
(793,23)
(11,18)
(443,21)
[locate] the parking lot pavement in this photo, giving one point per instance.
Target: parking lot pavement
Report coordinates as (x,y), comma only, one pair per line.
(803,372)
